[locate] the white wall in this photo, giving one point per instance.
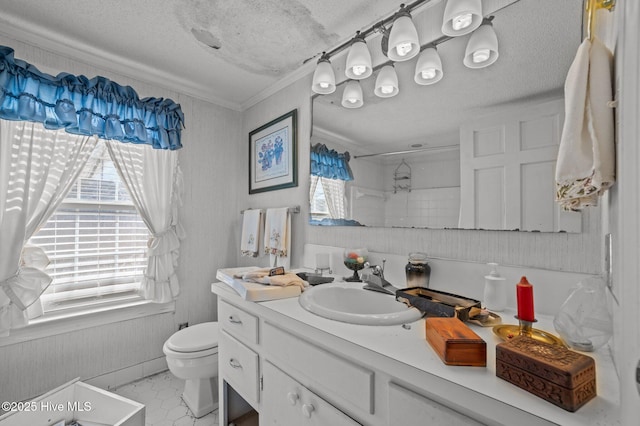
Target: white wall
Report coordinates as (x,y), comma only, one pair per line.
(295,96)
(214,154)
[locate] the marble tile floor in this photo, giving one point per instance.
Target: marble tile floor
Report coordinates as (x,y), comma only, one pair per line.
(161,395)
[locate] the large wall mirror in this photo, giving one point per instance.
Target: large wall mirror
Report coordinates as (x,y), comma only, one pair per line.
(477,149)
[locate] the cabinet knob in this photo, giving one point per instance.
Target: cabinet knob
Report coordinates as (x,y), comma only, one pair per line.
(234,363)
(307,409)
(292,397)
(232,320)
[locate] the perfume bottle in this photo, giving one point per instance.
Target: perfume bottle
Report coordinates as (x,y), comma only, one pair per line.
(495,297)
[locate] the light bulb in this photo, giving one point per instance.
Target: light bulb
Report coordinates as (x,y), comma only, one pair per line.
(403,49)
(461,21)
(324,84)
(429,73)
(481,55)
(386,89)
(352,100)
(359,69)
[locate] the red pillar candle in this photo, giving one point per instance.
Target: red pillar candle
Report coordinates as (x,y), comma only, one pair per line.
(524,293)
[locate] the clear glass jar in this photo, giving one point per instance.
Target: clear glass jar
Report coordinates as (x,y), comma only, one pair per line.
(584,321)
(418,270)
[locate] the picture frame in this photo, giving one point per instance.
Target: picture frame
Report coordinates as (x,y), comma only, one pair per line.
(273,155)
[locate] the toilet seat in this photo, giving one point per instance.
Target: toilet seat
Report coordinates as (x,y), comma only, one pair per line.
(198,338)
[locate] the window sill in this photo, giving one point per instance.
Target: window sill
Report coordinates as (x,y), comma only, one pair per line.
(61,323)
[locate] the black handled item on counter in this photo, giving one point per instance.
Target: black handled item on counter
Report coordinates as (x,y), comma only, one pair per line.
(436,303)
(314,279)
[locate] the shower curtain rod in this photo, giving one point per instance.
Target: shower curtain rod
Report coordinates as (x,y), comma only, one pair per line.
(410,151)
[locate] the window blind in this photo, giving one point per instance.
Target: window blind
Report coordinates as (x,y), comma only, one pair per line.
(96,241)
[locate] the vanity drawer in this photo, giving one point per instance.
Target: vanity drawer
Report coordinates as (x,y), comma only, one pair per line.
(288,403)
(237,322)
(239,367)
(408,408)
(334,377)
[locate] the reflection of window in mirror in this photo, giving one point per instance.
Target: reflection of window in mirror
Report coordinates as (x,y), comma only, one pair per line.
(327,193)
(328,198)
(319,209)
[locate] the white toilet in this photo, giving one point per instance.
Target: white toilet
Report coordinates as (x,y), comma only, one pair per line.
(192,355)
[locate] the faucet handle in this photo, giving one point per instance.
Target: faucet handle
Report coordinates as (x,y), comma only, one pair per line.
(375,269)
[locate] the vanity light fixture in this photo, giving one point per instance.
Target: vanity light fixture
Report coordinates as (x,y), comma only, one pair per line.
(400,42)
(352,95)
(461,17)
(482,48)
(324,79)
(387,82)
(428,67)
(358,59)
(403,37)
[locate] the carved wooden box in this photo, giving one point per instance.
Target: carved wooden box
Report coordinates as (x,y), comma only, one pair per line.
(455,343)
(552,372)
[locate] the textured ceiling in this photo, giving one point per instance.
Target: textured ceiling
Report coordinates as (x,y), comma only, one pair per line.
(256,42)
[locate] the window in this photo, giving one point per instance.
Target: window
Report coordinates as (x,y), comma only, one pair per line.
(96,241)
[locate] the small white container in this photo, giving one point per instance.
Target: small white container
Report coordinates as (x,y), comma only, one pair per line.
(495,297)
(86,404)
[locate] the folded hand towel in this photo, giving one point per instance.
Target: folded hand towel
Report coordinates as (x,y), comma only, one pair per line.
(251,229)
(586,157)
(277,235)
(261,276)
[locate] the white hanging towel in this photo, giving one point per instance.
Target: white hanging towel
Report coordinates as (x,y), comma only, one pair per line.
(251,232)
(277,236)
(586,157)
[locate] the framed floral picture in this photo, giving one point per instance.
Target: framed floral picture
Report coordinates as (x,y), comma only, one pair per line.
(273,155)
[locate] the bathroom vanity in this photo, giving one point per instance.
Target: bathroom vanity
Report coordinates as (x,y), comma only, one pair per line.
(296,368)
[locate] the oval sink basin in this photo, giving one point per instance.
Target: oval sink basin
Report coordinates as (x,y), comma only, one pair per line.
(348,302)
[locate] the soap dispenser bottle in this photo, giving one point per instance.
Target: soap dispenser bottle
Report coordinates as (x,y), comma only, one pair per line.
(495,297)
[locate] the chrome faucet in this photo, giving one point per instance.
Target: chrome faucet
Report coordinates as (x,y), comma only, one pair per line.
(377,282)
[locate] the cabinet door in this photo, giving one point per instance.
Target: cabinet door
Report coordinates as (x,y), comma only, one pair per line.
(288,403)
(409,408)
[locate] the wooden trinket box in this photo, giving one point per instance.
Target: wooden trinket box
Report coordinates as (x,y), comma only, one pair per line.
(552,372)
(455,342)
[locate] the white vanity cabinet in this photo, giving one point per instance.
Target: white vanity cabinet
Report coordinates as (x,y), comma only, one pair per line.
(295,368)
(287,403)
(292,378)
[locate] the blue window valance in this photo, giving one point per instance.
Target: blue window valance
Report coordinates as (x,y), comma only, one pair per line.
(96,106)
(329,163)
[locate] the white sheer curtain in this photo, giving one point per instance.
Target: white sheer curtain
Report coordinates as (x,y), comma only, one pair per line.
(313,185)
(154,181)
(37,170)
(334,193)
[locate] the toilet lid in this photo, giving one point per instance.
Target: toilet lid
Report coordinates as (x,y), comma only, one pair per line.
(196,338)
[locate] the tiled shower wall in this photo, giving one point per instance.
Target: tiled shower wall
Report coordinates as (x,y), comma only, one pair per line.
(423,208)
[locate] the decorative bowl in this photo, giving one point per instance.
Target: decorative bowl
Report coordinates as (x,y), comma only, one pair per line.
(354,259)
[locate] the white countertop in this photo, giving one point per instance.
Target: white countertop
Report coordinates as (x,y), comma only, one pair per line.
(409,346)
